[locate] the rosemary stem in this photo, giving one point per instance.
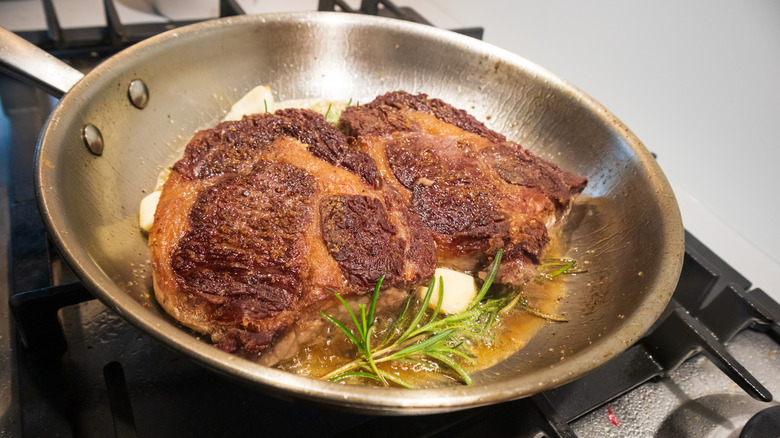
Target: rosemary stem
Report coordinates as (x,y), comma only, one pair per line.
(378,356)
(369,357)
(354,364)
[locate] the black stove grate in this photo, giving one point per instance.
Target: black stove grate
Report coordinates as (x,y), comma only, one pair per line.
(386,8)
(104,40)
(115,36)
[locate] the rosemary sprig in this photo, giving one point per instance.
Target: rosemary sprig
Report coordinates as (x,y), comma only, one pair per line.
(425,337)
(520,301)
(552,267)
(365,327)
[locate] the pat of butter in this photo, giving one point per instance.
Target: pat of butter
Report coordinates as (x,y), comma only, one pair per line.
(146,212)
(459,290)
(259,100)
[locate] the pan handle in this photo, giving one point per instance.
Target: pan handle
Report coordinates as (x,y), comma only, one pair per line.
(26,61)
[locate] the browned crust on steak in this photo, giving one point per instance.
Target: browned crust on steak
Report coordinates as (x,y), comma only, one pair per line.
(244,253)
(238,248)
(475,190)
(394,112)
(383,116)
(361,239)
(232,146)
(520,167)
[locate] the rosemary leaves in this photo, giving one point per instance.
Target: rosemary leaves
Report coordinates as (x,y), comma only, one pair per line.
(426,336)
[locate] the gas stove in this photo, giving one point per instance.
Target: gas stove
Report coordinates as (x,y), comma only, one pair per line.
(71,367)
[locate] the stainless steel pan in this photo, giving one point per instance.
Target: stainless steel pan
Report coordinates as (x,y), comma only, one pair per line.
(626,227)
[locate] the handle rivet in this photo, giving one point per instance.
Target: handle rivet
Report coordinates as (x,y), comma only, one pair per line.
(93,139)
(138,93)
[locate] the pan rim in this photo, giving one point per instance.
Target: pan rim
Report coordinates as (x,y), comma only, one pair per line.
(364,399)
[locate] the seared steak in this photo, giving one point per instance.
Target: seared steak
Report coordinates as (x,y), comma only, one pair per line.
(262,218)
(472,188)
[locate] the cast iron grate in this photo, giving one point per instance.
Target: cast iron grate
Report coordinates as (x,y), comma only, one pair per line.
(103,41)
(386,8)
(79,42)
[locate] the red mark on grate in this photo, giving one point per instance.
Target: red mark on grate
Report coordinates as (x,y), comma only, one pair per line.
(611,416)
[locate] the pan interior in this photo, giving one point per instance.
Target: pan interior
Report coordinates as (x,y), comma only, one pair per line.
(626,225)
